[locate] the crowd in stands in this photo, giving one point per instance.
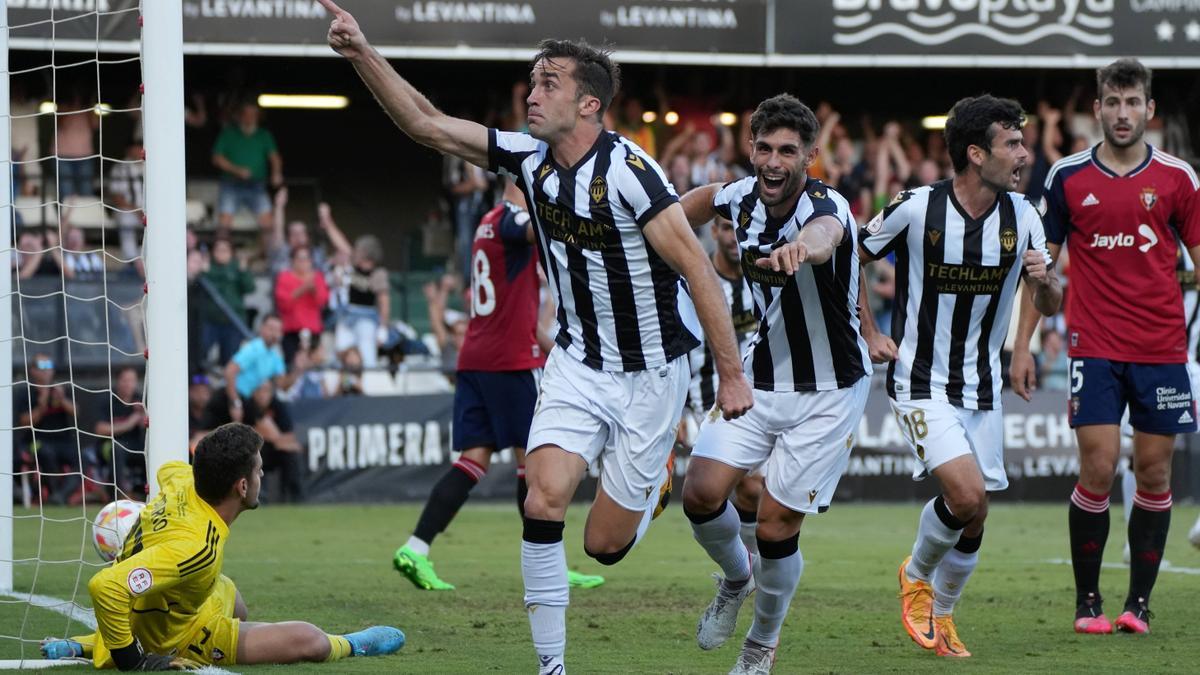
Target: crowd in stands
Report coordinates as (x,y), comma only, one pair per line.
(329,318)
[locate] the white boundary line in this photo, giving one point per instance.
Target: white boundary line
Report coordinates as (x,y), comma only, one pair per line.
(84,616)
(1121,566)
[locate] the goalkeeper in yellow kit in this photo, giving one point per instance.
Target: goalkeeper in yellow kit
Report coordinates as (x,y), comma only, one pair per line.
(164,605)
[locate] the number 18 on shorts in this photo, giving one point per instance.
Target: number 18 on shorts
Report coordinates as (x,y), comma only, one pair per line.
(938,432)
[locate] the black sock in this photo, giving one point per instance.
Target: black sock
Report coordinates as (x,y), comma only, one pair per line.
(522,490)
(1089,533)
(449,494)
(1147,539)
(746,516)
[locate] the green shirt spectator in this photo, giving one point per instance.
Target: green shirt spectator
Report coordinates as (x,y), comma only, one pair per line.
(250,151)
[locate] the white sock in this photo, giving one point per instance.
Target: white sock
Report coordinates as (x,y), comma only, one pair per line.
(748,533)
(776,580)
(544,568)
(950,578)
(1128,487)
(719,538)
(418,545)
(934,538)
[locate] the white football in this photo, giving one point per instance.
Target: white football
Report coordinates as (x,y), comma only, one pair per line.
(112,525)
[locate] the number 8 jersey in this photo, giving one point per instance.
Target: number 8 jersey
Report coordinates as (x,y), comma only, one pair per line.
(502,333)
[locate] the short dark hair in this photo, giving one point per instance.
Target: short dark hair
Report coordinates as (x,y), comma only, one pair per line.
(1124,73)
(784,111)
(223,457)
(970,123)
(596,73)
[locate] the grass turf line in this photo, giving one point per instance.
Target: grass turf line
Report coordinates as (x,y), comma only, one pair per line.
(331,565)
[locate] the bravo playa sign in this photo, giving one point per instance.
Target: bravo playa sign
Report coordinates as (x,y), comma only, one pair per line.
(1007,22)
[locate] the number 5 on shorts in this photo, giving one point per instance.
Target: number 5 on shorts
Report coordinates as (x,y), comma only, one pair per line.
(1076,376)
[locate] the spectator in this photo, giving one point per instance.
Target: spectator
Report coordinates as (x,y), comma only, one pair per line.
(197,299)
(231,281)
(126,447)
(306,368)
(79,263)
(286,237)
(199,395)
(465,185)
(1055,363)
(449,326)
(257,361)
(35,256)
(281,450)
(300,296)
(366,312)
(247,156)
(126,191)
(75,147)
(26,149)
(350,381)
(631,125)
(46,439)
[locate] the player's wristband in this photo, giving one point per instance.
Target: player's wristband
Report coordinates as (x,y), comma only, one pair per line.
(128,657)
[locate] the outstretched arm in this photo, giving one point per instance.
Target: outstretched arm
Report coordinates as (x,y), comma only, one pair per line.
(408,108)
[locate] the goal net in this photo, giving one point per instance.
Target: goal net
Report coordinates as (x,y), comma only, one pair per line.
(92,309)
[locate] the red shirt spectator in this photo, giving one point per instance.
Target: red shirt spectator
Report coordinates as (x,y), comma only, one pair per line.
(300,295)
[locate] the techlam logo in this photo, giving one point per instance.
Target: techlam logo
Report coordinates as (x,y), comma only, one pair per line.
(1109,242)
(1006,22)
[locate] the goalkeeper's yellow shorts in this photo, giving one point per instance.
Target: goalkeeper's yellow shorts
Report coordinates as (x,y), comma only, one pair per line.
(212,637)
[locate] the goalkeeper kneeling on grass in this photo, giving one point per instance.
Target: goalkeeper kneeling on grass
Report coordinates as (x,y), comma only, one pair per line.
(164,605)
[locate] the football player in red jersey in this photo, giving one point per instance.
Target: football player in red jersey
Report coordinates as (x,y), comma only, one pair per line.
(496,383)
(1120,206)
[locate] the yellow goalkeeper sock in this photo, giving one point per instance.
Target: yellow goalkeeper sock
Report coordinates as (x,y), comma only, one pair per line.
(339,648)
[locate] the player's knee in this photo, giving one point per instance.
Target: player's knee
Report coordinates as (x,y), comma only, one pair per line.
(699,498)
(778,526)
(749,490)
(1154,477)
(607,556)
(542,505)
(966,505)
(314,645)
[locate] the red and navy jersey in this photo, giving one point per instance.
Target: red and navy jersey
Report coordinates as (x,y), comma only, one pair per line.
(1123,299)
(502,333)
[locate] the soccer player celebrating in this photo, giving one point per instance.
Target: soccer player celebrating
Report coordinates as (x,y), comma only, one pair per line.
(961,247)
(809,366)
(164,605)
(613,242)
(1120,206)
(496,384)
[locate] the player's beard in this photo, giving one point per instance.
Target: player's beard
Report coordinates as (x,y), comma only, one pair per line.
(1135,135)
(787,191)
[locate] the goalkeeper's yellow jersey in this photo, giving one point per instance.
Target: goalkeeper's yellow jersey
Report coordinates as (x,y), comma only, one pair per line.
(168,568)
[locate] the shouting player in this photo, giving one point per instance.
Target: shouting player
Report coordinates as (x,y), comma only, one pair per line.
(613,241)
(810,370)
(961,247)
(164,605)
(1119,207)
(496,384)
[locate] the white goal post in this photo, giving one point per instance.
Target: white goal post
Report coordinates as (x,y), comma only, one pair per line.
(164,306)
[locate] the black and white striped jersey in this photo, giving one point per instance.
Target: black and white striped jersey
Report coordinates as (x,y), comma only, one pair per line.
(617,299)
(702,391)
(956,278)
(808,333)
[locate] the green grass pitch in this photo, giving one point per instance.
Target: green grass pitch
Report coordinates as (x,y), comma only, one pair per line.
(331,565)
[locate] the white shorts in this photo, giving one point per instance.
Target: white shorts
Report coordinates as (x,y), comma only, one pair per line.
(804,439)
(627,421)
(937,432)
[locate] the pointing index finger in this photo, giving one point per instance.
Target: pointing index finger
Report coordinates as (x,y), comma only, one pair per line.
(332,8)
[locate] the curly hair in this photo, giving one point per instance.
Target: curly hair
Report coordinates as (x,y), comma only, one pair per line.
(1123,74)
(970,123)
(222,458)
(784,111)
(596,73)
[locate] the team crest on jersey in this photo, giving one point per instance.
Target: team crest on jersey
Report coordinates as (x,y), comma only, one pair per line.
(1008,239)
(636,162)
(598,189)
(935,236)
(1149,197)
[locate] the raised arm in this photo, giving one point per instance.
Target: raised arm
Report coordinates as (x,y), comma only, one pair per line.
(671,238)
(408,108)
